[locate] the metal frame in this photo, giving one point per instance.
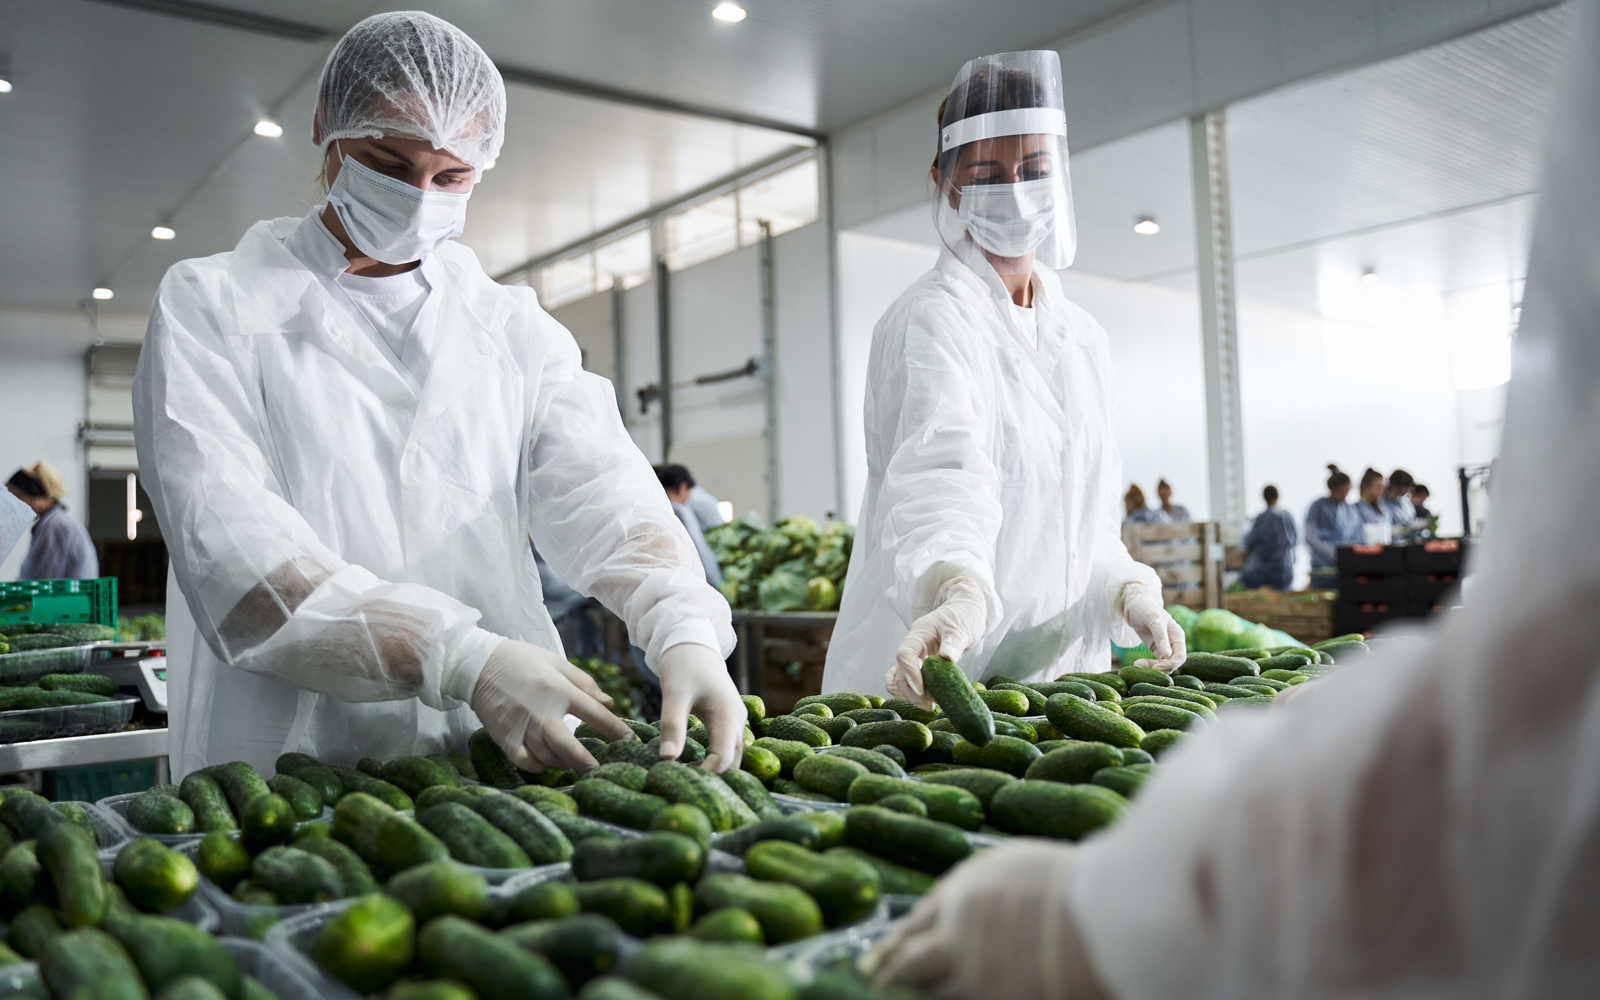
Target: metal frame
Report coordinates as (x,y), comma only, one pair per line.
(769,361)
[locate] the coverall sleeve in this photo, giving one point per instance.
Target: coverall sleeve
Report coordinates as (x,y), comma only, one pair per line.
(602,520)
(941,489)
(267,594)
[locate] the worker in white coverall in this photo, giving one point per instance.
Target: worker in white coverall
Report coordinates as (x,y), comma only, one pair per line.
(1424,824)
(989,532)
(349,434)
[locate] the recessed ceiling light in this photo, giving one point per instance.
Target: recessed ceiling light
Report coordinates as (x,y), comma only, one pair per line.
(163,233)
(102,293)
(1146,227)
(1369,277)
(268,129)
(729,12)
(5,85)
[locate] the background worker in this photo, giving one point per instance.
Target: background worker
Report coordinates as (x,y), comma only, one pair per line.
(1330,523)
(1135,511)
(1177,513)
(1419,502)
(1396,500)
(1270,543)
(61,548)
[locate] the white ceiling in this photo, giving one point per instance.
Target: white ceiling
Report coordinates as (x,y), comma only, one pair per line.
(1420,168)
(119,115)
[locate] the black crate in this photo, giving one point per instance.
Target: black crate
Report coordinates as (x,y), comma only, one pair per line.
(1446,556)
(1363,588)
(1424,592)
(1371,560)
(1366,617)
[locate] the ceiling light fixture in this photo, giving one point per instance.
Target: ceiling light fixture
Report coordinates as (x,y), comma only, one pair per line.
(102,294)
(5,75)
(268,129)
(1146,227)
(1369,277)
(163,233)
(730,12)
(5,85)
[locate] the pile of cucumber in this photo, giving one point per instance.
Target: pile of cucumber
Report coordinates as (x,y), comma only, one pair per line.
(29,637)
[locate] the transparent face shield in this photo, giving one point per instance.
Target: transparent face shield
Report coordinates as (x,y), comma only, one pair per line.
(1001,170)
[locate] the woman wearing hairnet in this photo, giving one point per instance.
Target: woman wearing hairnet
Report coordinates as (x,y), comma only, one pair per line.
(1423,825)
(350,433)
(989,531)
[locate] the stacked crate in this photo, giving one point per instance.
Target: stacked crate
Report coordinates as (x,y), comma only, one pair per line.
(1187,558)
(1381,582)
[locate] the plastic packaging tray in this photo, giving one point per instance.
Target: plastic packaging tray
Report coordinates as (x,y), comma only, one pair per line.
(108,833)
(25,724)
(240,919)
(790,804)
(117,807)
(848,945)
(26,667)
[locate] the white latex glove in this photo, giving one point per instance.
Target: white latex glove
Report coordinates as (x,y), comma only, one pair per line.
(1155,627)
(996,925)
(695,678)
(522,695)
(949,630)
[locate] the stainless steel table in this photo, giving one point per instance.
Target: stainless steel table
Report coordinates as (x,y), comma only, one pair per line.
(76,751)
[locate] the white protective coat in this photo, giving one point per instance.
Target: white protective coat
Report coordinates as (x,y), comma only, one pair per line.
(348,547)
(991,459)
(1426,824)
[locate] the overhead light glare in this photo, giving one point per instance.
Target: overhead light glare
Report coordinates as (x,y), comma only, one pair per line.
(5,85)
(268,129)
(1146,227)
(1370,277)
(730,12)
(163,233)
(102,293)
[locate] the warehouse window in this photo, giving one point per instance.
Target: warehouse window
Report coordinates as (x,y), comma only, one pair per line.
(787,199)
(594,271)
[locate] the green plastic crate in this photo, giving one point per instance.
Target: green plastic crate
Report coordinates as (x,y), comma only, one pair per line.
(93,601)
(95,782)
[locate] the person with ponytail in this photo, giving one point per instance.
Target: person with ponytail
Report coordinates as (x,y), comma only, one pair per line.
(1330,523)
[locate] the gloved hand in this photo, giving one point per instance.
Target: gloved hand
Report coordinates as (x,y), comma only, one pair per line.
(695,677)
(996,925)
(1156,628)
(522,695)
(949,630)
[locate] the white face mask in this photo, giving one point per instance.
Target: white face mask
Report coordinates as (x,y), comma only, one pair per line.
(1009,220)
(391,221)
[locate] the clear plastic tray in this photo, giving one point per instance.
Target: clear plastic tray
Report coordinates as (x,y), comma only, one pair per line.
(17,669)
(108,833)
(790,804)
(117,807)
(849,944)
(25,724)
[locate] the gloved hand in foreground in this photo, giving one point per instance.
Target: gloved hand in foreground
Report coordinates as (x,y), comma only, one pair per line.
(522,695)
(1156,628)
(695,678)
(949,630)
(997,925)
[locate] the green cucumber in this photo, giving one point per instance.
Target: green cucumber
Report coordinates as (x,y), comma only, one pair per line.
(355,878)
(790,727)
(828,774)
(785,912)
(845,889)
(748,787)
(1215,668)
(1054,809)
(154,878)
(907,736)
(1157,742)
(953,693)
(439,888)
(946,803)
(222,859)
(924,844)
(1086,720)
(790,828)
(639,907)
(1124,779)
(311,771)
(154,811)
(368,944)
(296,876)
(909,711)
(629,776)
(981,782)
(473,839)
(302,797)
(1002,753)
(1074,764)
(663,858)
(541,840)
(612,803)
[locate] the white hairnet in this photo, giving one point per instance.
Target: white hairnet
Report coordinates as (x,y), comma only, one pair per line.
(411,74)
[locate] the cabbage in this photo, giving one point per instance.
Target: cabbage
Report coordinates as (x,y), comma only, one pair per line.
(1216,630)
(1128,655)
(1255,637)
(782,591)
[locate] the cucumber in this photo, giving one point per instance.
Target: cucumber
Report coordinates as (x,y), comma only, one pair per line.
(1150,717)
(439,888)
(386,841)
(728,923)
(741,814)
(1133,755)
(909,711)
(154,878)
(1290,677)
(431,797)
(762,763)
(639,907)
(27,814)
(939,750)
(1173,693)
(165,950)
(265,821)
(901,802)
(296,876)
(472,838)
(463,765)
(32,930)
(785,912)
(828,774)
(1338,639)
(755,709)
(24,878)
(433,989)
(493,766)
(1215,690)
(790,727)
(1118,686)
(360,781)
(1261,682)
(1054,809)
(893,879)
(541,840)
(250,893)
(1134,676)
(240,782)
(924,844)
(835,728)
(1192,707)
(981,782)
(86,683)
(946,803)
(539,901)
(412,774)
(190,988)
(160,812)
(1022,729)
(1186,681)
(677,782)
(829,824)
(367,945)
(70,856)
(370,766)
(575,828)
(663,858)
(80,963)
(535,795)
(1004,701)
(845,889)
(355,878)
(1218,669)
(581,947)
(692,753)
(1159,741)
(630,752)
(862,716)
(784,786)
(680,968)
(1002,753)
(957,700)
(894,753)
(813,709)
(1074,764)
(222,859)
(612,803)
(1085,720)
(629,776)
(1283,661)
(790,828)
(837,702)
(311,771)
(872,760)
(305,800)
(908,736)
(1123,779)
(1259,701)
(749,788)
(684,819)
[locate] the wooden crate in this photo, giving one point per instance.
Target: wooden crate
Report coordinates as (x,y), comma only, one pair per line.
(1308,621)
(1187,558)
(769,643)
